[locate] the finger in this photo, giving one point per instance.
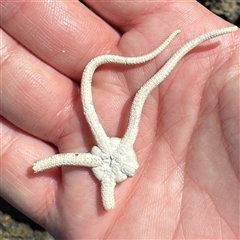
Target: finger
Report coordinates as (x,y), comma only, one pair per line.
(42,102)
(64,34)
(125,14)
(17,177)
(35,97)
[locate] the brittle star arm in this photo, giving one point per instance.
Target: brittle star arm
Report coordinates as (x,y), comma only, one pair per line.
(98,132)
(141,96)
(73,159)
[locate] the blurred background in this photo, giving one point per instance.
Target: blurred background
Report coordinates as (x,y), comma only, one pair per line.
(14,225)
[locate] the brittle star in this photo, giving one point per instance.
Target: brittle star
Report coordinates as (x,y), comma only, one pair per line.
(113,160)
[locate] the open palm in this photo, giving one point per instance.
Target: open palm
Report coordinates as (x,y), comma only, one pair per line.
(187,145)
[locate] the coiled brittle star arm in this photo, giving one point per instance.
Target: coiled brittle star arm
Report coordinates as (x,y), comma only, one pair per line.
(134,118)
(113,160)
(98,132)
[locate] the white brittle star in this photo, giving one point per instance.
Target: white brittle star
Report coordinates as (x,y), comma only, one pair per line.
(113,160)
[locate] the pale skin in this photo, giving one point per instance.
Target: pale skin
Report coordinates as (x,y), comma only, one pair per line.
(187,145)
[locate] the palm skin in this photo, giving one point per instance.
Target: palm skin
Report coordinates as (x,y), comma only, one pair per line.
(187,146)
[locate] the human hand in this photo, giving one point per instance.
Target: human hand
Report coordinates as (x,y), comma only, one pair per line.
(187,145)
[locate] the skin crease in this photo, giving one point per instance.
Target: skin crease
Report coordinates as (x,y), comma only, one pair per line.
(187,185)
